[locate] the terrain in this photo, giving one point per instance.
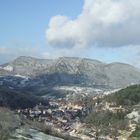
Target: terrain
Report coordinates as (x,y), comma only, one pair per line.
(14,100)
(57,77)
(71,98)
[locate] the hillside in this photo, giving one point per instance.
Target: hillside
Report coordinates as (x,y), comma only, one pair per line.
(117,114)
(129,96)
(39,74)
(15,100)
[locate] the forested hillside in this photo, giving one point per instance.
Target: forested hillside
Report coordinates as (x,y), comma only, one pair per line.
(14,100)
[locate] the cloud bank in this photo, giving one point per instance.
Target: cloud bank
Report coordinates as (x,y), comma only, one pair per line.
(9,53)
(106,23)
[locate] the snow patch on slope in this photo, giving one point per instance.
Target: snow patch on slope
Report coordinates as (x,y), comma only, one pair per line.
(8,68)
(21,76)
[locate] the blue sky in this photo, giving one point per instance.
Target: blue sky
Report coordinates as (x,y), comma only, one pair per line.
(27,20)
(83,28)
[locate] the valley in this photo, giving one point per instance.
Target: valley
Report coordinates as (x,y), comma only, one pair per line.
(71,98)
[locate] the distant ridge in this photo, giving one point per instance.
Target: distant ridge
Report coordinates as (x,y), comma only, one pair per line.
(72,71)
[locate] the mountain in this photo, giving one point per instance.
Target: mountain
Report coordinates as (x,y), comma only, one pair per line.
(36,75)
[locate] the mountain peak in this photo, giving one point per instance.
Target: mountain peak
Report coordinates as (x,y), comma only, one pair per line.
(75,70)
(25,58)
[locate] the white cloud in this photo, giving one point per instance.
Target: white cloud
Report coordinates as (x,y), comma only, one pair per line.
(112,23)
(63,52)
(9,53)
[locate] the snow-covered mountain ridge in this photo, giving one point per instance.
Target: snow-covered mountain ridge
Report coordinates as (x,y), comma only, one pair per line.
(40,74)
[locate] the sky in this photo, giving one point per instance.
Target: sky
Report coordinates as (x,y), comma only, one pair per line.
(107,30)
